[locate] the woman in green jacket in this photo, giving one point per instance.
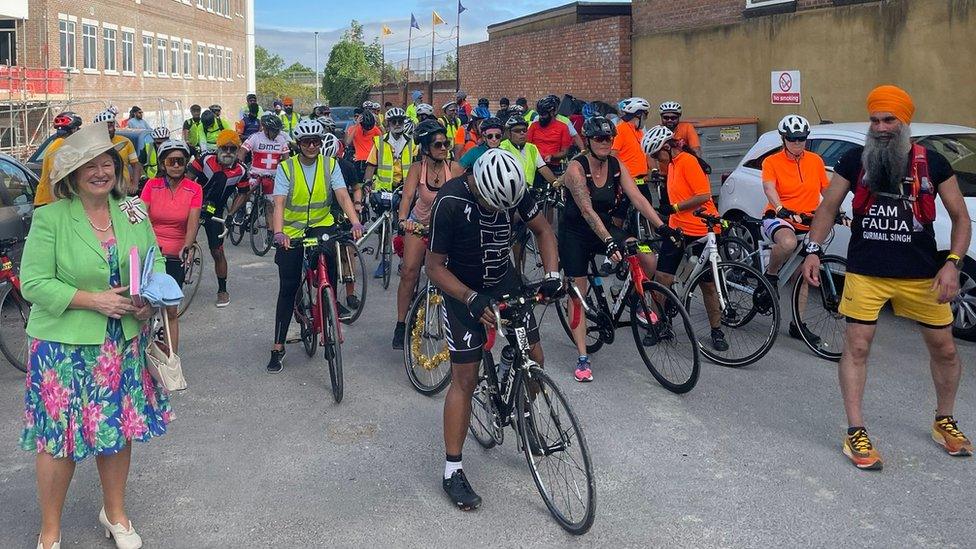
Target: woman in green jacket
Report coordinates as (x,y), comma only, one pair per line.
(88,390)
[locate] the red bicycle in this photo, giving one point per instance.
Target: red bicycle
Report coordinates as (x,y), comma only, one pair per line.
(316,309)
(14,309)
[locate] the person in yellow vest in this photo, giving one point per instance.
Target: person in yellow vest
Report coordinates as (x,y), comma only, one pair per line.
(527,153)
(289,118)
(305,187)
(450,121)
(147,156)
(411,111)
(213,124)
(193,130)
(65,124)
(127,152)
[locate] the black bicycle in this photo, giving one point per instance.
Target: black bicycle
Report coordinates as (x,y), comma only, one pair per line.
(526,398)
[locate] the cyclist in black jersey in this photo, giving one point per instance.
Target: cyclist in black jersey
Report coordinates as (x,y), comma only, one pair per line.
(470,238)
(598,182)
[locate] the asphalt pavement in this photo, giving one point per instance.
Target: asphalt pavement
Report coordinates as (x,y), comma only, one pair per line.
(749,458)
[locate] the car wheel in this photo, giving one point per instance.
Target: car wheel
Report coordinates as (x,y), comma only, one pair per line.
(964,305)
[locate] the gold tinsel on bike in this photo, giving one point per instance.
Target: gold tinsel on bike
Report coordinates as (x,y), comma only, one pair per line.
(425,362)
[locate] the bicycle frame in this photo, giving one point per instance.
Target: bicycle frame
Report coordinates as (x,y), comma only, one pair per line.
(317,279)
(634,282)
(8,274)
(501,391)
(710,255)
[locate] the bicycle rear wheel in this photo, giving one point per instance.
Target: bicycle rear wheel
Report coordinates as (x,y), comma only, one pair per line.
(425,354)
(386,253)
(556,452)
(815,313)
(665,339)
(529,261)
(330,344)
(236,224)
(260,231)
(353,282)
(14,313)
(194,274)
(594,341)
(303,315)
(486,423)
(750,319)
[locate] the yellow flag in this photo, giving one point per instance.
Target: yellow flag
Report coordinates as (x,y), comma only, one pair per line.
(386,31)
(437,18)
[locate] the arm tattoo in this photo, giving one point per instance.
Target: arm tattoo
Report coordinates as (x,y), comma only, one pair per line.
(577,187)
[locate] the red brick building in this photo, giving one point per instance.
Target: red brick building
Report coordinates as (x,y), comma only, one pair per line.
(582,48)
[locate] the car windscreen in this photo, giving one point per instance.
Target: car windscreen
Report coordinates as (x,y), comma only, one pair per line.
(342,114)
(960,151)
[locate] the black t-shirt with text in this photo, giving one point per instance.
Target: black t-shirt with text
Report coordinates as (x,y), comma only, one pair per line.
(888,241)
(476,241)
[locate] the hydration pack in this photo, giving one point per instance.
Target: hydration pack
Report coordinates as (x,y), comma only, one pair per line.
(922,194)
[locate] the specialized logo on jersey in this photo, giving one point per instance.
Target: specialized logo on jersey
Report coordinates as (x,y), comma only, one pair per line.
(467,212)
(496,231)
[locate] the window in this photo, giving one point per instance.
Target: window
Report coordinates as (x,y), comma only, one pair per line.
(88,46)
(831,150)
(174,56)
(201,4)
(108,46)
(66,30)
(187,54)
(147,55)
(201,64)
(161,56)
(211,73)
(960,151)
(752,4)
(210,5)
(227,64)
(15,187)
(128,40)
(219,63)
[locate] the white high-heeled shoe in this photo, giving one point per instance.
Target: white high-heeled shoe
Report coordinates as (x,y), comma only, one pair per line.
(55,545)
(125,538)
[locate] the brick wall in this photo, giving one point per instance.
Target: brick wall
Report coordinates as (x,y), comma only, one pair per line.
(161,96)
(589,60)
(649,16)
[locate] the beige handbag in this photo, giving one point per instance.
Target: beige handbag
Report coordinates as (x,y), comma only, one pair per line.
(163,363)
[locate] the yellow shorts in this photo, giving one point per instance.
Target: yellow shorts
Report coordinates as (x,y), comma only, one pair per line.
(912,298)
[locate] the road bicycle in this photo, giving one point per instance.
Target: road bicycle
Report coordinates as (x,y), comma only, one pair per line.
(735,294)
(387,201)
(316,309)
(525,249)
(14,309)
(351,278)
(524,397)
(260,231)
(194,260)
(814,310)
(660,325)
(425,354)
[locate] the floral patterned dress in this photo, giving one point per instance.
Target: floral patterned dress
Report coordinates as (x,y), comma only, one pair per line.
(84,400)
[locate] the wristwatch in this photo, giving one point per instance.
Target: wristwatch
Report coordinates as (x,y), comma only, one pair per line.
(813,248)
(955,260)
(552,275)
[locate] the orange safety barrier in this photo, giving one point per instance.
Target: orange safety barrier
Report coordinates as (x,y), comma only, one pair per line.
(34,81)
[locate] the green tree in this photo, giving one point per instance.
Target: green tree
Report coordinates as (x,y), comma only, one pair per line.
(266,64)
(352,68)
(448,70)
(297,67)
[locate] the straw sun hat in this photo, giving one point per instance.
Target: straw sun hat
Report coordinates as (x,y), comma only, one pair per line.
(80,147)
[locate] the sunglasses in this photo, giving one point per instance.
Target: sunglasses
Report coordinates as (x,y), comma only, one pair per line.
(440,145)
(670,118)
(310,143)
(518,130)
(602,139)
(799,139)
(228,149)
(493,136)
(174,161)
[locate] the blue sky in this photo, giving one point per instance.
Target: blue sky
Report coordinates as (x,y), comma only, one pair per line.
(285,26)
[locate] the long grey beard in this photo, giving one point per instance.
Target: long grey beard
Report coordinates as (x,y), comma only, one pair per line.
(886,162)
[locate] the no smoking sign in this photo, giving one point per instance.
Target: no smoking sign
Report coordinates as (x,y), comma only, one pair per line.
(785,87)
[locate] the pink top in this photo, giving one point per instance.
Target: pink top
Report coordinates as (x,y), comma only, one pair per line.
(169,211)
(426,193)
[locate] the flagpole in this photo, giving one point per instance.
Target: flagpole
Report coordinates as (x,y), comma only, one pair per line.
(457,51)
(383,68)
(406,82)
(433,35)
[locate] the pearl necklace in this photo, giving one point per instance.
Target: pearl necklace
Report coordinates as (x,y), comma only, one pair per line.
(99,229)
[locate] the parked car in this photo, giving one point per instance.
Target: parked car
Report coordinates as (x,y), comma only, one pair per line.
(17,187)
(139,139)
(742,192)
(343,117)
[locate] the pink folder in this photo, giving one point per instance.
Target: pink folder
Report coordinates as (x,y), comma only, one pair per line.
(135,275)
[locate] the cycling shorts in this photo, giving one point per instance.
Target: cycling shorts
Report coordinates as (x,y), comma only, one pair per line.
(670,255)
(911,298)
(578,247)
(466,336)
(770,226)
(266,182)
(175,269)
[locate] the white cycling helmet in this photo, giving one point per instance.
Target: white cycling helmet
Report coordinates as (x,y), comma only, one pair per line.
(327,123)
(367,104)
(794,125)
(161,132)
(105,116)
(330,145)
(171,145)
(425,109)
(635,105)
(499,177)
(655,138)
(670,106)
(408,129)
(308,128)
(396,112)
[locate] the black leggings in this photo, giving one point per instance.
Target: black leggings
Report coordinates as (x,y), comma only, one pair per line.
(290,263)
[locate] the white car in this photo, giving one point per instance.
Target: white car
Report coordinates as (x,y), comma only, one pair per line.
(742,191)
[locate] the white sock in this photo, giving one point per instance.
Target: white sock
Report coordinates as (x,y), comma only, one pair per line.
(450,467)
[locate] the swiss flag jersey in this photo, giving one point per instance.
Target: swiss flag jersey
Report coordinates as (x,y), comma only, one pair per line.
(266,154)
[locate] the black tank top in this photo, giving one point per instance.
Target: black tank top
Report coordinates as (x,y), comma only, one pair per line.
(604,199)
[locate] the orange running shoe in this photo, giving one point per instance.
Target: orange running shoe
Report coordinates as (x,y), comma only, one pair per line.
(858,448)
(947,434)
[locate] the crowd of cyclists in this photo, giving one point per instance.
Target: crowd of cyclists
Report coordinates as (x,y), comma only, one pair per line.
(467,186)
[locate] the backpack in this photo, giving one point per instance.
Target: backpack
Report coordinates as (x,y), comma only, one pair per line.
(922,194)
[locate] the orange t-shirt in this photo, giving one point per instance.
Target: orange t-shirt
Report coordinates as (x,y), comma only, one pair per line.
(686,131)
(798,182)
(627,143)
(685,180)
(362,141)
(467,142)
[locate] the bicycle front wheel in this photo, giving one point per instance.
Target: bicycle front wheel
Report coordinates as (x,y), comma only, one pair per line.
(665,339)
(556,452)
(386,253)
(352,285)
(303,315)
(749,320)
(815,315)
(238,224)
(191,281)
(330,343)
(14,313)
(260,231)
(529,261)
(425,354)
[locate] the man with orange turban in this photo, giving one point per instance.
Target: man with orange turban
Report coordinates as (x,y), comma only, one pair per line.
(893,257)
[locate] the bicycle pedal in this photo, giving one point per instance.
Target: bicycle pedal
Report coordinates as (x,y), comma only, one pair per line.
(293,340)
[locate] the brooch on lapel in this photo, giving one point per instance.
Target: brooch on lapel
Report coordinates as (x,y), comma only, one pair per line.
(133,209)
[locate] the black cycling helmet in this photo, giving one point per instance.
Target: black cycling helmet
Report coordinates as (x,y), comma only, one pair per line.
(368,120)
(208,118)
(271,122)
(516,120)
(547,104)
(424,134)
(492,122)
(598,126)
(67,120)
